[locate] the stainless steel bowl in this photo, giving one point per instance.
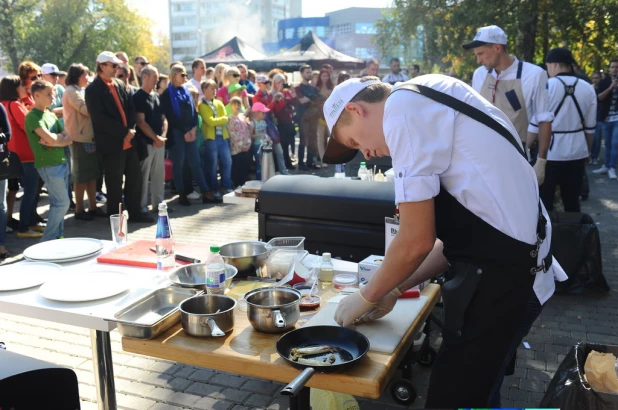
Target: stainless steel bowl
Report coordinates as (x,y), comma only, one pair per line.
(273,310)
(247,256)
(208,315)
(194,276)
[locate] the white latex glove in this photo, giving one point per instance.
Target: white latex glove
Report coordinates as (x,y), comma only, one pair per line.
(382,307)
(352,307)
(539,170)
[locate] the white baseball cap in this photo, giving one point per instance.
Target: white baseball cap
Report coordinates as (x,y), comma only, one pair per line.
(48,68)
(336,152)
(108,57)
(486,35)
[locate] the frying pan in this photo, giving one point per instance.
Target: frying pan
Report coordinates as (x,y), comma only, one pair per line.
(351,347)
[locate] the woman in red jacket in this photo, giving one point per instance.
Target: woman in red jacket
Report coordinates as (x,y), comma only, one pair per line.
(12,93)
(283,109)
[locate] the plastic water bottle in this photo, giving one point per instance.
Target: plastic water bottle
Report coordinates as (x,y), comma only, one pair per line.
(363,172)
(164,242)
(340,171)
(326,269)
(215,272)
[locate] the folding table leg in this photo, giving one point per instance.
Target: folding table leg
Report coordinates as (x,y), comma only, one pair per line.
(302,400)
(103,369)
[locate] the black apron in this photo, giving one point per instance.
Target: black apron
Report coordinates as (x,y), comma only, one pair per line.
(489,281)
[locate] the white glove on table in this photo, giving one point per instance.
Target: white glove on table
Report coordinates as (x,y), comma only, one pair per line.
(352,307)
(539,170)
(382,307)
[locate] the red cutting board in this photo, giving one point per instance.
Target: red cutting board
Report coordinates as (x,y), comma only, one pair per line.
(139,254)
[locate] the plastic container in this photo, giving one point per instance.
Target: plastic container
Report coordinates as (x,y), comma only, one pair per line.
(296,243)
(280,263)
(345,280)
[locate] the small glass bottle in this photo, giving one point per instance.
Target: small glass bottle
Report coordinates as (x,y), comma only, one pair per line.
(326,269)
(164,242)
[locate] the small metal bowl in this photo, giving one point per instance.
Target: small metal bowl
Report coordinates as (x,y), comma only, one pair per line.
(247,256)
(194,276)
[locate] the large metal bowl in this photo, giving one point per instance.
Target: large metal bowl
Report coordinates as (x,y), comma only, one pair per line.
(246,256)
(194,276)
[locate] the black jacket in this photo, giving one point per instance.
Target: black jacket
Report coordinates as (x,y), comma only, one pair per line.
(604,106)
(109,132)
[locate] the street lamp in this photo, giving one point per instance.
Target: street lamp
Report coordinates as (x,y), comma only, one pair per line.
(199,44)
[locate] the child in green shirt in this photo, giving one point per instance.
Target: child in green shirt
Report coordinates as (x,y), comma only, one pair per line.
(47,139)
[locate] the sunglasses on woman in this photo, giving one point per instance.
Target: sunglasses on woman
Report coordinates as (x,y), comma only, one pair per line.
(235,75)
(120,76)
(183,75)
(36,77)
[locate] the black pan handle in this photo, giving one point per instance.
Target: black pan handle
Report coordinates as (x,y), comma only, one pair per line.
(296,385)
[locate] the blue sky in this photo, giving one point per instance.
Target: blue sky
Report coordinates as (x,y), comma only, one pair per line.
(157,10)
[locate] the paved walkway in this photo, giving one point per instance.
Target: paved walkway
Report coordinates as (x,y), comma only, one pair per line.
(146,383)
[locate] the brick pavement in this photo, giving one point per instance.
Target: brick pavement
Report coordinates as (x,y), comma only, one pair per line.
(147,383)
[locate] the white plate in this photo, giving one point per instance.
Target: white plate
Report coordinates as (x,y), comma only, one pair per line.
(24,275)
(78,258)
(63,249)
(84,287)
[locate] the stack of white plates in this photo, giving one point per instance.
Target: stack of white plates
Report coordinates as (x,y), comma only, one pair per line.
(63,250)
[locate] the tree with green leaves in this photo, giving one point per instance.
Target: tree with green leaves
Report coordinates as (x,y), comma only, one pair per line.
(76,31)
(587,27)
(16,18)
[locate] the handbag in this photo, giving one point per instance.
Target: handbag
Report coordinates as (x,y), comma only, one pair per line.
(10,164)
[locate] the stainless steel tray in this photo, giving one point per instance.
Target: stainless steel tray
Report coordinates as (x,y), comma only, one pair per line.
(152,315)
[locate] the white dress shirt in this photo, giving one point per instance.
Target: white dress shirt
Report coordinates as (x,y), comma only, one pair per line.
(395,78)
(533,84)
(196,84)
(432,145)
(571,146)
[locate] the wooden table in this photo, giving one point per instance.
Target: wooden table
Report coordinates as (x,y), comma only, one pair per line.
(247,352)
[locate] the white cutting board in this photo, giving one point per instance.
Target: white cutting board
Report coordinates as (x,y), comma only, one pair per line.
(384,334)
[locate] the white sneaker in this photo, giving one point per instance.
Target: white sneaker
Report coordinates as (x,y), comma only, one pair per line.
(194,195)
(611,173)
(602,170)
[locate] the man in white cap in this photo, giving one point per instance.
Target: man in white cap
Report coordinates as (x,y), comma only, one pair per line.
(517,88)
(484,209)
(51,74)
(113,117)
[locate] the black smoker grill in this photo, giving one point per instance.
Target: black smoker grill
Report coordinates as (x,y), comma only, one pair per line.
(27,383)
(340,216)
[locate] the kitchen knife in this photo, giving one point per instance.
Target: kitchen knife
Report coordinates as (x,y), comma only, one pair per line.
(181,257)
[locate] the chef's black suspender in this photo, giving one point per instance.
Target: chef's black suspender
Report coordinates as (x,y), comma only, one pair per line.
(487,120)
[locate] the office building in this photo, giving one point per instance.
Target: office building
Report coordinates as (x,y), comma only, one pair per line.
(349,31)
(199,26)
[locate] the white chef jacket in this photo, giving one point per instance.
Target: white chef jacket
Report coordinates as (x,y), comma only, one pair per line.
(395,78)
(432,145)
(571,146)
(533,84)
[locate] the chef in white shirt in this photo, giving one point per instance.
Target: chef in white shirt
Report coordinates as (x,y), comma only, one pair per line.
(517,88)
(469,185)
(574,104)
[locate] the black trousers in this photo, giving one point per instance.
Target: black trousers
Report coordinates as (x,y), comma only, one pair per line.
(287,132)
(569,176)
(116,166)
(483,308)
(241,164)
